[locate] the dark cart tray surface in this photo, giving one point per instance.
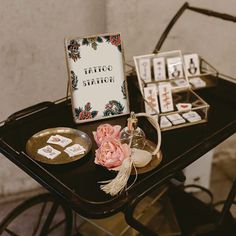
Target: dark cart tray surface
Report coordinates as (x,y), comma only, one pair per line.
(77,183)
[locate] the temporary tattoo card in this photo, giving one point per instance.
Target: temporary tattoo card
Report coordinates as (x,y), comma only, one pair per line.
(192,116)
(164,122)
(48,152)
(197,82)
(150,95)
(60,140)
(175,67)
(159,67)
(181,82)
(165,97)
(192,64)
(75,150)
(184,106)
(145,69)
(96,67)
(176,119)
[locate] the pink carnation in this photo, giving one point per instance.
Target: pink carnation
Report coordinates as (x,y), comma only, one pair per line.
(111,153)
(106,131)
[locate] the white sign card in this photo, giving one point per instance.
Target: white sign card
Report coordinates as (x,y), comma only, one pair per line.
(192,64)
(175,67)
(159,68)
(145,69)
(97,79)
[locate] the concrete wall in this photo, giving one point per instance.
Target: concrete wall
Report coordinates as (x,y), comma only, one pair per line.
(32,47)
(142,22)
(32,62)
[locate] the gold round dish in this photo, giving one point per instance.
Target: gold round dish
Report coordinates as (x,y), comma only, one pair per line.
(39,140)
(156,160)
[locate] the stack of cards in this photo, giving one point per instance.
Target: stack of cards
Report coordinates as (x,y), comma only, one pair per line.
(192,116)
(75,150)
(164,122)
(181,83)
(60,140)
(176,119)
(184,106)
(48,152)
(197,82)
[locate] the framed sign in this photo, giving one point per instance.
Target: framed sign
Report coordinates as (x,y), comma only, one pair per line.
(97,79)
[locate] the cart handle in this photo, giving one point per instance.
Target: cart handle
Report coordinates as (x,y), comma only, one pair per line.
(29,110)
(179,13)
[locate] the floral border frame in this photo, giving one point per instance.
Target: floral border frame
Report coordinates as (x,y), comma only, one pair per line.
(73,78)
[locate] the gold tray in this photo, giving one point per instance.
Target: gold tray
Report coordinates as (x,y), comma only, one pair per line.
(156,160)
(39,140)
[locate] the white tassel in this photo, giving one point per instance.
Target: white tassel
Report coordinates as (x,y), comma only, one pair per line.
(117,184)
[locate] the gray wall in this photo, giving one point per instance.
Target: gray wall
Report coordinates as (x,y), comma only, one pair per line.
(32,55)
(32,47)
(32,59)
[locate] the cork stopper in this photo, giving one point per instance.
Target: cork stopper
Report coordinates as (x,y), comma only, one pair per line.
(132,121)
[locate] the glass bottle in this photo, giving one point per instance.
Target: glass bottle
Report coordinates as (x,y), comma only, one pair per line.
(132,134)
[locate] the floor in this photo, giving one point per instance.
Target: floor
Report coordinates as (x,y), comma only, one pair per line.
(222,176)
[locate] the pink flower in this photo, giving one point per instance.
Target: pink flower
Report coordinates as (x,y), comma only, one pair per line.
(111,153)
(115,40)
(106,131)
(85,115)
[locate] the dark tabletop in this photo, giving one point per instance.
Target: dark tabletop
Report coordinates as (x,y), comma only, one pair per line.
(77,183)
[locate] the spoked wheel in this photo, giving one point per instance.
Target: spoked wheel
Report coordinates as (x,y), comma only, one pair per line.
(38,216)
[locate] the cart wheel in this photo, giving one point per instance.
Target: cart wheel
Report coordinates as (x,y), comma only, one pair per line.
(43,214)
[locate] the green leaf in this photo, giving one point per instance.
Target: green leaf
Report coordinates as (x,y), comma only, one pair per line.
(77,111)
(99,39)
(85,42)
(107,38)
(94,113)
